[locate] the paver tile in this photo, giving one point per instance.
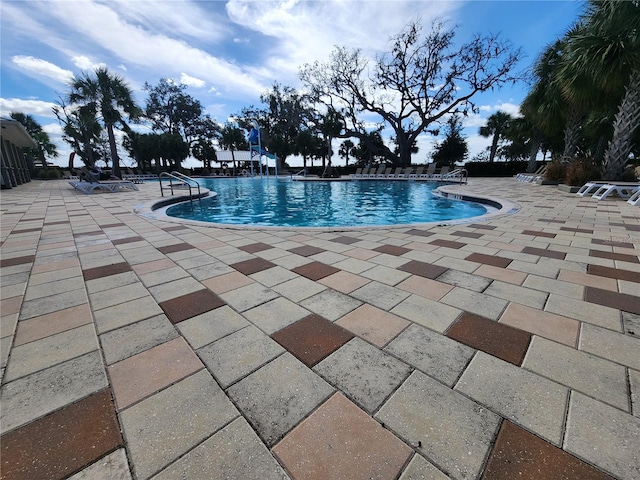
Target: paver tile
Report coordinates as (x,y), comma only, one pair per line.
(275,314)
(273,276)
(634,383)
(41,449)
(425,312)
(210,326)
(465,280)
(380,295)
(110,467)
(45,391)
(315,270)
(423,269)
(105,271)
(493,260)
(249,296)
(137,337)
(330,304)
(534,402)
(50,304)
(298,289)
(343,281)
(278,396)
(548,325)
(40,354)
(247,267)
(385,275)
(520,454)
(454,432)
(621,301)
(475,302)
(372,324)
(604,436)
(425,287)
(502,341)
(312,338)
(189,305)
(165,426)
(340,441)
(238,354)
(226,455)
(141,375)
(613,346)
(40,327)
(609,272)
(419,468)
(123,314)
(378,376)
(514,293)
(588,280)
(432,353)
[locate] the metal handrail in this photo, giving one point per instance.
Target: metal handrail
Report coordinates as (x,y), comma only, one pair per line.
(304,171)
(459,173)
(182,182)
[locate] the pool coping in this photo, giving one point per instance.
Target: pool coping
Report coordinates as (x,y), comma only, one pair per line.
(156,209)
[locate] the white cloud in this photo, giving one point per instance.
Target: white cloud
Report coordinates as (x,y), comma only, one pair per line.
(39,67)
(507,107)
(28,107)
(191,81)
(85,63)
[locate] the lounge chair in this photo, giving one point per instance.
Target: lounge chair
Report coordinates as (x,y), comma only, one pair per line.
(431,170)
(395,173)
(634,199)
(417,173)
(88,183)
(623,190)
(441,174)
(589,188)
(358,173)
(526,177)
(380,172)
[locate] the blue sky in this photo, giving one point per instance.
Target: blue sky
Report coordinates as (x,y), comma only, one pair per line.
(229,52)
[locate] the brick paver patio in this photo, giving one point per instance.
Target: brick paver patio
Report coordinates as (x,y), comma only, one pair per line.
(135,346)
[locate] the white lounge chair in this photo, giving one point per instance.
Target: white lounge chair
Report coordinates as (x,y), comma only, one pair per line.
(441,174)
(108,185)
(357,174)
(417,173)
(622,190)
(431,170)
(395,173)
(589,188)
(634,199)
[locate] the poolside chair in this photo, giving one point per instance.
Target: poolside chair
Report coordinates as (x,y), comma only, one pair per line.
(358,173)
(634,199)
(88,183)
(525,177)
(440,175)
(589,188)
(431,170)
(380,172)
(417,173)
(625,190)
(395,173)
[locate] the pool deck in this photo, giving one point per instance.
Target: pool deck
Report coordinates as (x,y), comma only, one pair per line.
(136,347)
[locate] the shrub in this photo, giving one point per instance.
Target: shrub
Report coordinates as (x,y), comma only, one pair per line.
(556,171)
(580,171)
(53,173)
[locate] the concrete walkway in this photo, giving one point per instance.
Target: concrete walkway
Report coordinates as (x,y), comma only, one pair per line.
(136,347)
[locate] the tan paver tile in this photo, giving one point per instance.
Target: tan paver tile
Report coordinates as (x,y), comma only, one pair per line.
(452,431)
(373,324)
(548,325)
(529,400)
(126,313)
(298,289)
(613,346)
(161,428)
(419,468)
(604,436)
(594,376)
(360,448)
(50,304)
(344,281)
(517,294)
(544,284)
(502,274)
(330,304)
(227,282)
(153,266)
(40,327)
(588,280)
(584,311)
(380,295)
(275,315)
(634,383)
(428,313)
(137,377)
(425,287)
(474,302)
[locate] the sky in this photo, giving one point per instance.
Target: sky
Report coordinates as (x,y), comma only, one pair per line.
(229,52)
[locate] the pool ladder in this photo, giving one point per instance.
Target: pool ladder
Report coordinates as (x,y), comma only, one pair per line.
(179,181)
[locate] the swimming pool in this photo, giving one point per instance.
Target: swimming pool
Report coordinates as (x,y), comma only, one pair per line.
(282,202)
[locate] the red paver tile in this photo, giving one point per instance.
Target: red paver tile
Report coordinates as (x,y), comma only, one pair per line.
(255,265)
(63,442)
(614,256)
(111,225)
(173,229)
(87,234)
(315,270)
(542,252)
(120,241)
(346,240)
(26,230)
(306,250)
(423,269)
(551,220)
(187,306)
(462,233)
(419,233)
(341,441)
(178,247)
(255,247)
(482,227)
(9,262)
(502,341)
(616,273)
(539,234)
(105,271)
(496,261)
(312,338)
(139,376)
(621,301)
(522,455)
(447,243)
(577,230)
(392,250)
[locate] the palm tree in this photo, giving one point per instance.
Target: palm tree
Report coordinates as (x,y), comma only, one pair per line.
(107,95)
(608,50)
(496,125)
(345,150)
(232,138)
(45,148)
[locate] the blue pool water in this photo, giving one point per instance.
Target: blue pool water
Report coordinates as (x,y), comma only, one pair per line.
(286,203)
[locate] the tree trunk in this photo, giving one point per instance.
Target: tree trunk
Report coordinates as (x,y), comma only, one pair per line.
(114,151)
(571,134)
(494,146)
(624,124)
(536,141)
